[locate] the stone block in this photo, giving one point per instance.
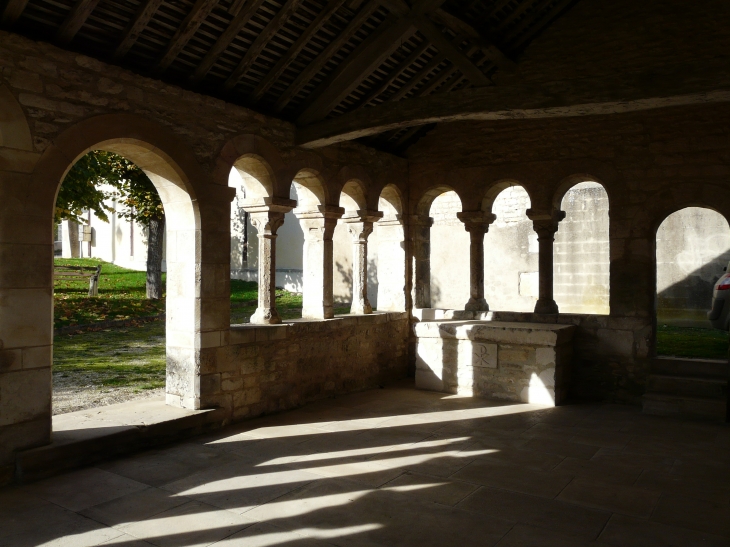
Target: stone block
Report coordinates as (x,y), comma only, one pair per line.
(477,354)
(25,395)
(615,342)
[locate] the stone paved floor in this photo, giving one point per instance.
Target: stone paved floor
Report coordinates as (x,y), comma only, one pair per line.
(400,467)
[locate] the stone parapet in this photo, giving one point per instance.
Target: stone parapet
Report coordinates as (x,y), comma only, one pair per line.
(527,362)
(269,368)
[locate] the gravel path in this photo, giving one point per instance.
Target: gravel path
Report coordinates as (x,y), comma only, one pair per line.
(83,391)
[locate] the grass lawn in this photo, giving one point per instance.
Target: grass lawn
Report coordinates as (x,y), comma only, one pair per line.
(691,342)
(121,295)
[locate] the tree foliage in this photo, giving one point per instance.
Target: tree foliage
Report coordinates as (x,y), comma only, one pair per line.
(100,176)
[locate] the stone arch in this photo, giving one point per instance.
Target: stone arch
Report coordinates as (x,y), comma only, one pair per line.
(258,158)
(423,206)
(189,205)
(352,196)
(311,189)
(390,202)
(257,177)
(573,180)
(497,188)
(14,129)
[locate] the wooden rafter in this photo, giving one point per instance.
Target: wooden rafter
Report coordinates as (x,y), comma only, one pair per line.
(454,54)
(240,21)
(318,63)
(12,11)
(549,18)
(491,51)
(402,66)
(185,31)
(294,50)
(418,77)
(75,20)
(260,43)
(146,11)
(433,84)
(369,56)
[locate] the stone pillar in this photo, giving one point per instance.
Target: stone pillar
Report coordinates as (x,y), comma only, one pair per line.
(545,225)
(477,224)
(318,227)
(419,233)
(360,226)
(267,218)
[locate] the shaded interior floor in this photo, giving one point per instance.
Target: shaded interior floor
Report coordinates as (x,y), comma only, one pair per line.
(399,466)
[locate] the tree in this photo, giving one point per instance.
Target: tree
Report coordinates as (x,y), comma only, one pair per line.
(83,189)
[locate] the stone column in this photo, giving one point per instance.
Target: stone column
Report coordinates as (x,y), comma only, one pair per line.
(318,226)
(545,224)
(267,218)
(360,227)
(477,224)
(419,234)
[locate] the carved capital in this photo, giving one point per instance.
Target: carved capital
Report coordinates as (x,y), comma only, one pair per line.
(476,222)
(419,221)
(267,223)
(360,231)
(545,223)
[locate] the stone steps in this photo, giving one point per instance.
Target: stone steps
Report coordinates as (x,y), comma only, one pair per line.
(693,388)
(90,436)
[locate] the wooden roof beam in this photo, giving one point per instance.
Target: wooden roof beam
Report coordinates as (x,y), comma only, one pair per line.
(454,54)
(356,67)
(491,51)
(185,32)
(262,40)
(13,10)
(75,20)
(143,16)
(578,98)
(295,50)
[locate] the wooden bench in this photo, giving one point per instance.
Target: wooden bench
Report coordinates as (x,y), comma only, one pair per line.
(93,273)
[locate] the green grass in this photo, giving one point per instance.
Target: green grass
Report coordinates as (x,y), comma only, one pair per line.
(122,295)
(122,357)
(691,342)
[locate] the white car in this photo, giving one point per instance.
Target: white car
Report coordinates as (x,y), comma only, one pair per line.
(719,315)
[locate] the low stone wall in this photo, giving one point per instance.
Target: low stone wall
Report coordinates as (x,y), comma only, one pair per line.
(527,362)
(610,353)
(269,368)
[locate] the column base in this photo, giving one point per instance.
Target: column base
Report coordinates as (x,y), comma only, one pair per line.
(361,309)
(476,304)
(546,306)
(265,316)
(325,313)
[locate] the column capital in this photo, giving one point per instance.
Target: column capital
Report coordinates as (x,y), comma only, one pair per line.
(267,222)
(270,204)
(476,221)
(545,223)
(320,212)
(362,215)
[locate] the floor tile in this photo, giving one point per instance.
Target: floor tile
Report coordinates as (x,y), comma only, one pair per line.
(133,507)
(240,488)
(522,535)
(378,517)
(82,489)
(702,515)
(431,488)
(623,531)
(600,471)
(626,500)
(668,483)
(266,535)
(561,448)
(193,524)
(516,479)
(551,514)
(73,531)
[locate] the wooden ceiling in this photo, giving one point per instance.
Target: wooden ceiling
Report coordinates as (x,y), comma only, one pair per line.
(300,60)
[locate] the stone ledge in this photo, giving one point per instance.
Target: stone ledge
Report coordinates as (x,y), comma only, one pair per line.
(89,436)
(497,332)
(250,334)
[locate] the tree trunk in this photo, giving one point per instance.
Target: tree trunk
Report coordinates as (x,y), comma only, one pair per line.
(73,239)
(154,258)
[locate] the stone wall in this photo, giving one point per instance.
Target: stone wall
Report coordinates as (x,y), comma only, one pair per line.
(275,367)
(650,163)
